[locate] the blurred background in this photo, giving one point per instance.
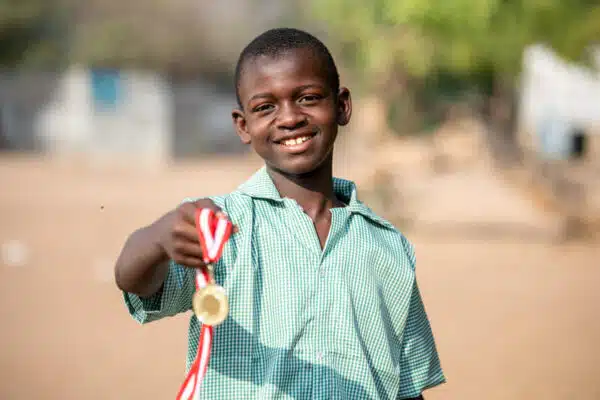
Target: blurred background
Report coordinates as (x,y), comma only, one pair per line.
(476,130)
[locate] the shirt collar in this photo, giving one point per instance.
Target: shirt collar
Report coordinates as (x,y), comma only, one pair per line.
(261,186)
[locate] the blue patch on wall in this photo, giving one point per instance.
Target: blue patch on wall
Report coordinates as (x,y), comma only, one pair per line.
(106,89)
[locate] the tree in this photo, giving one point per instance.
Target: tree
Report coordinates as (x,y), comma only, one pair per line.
(176,37)
(32,33)
(457,44)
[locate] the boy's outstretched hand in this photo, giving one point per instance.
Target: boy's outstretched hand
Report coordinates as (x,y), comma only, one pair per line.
(142,265)
(180,240)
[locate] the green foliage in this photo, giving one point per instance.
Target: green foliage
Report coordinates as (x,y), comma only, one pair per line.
(462,37)
(32,32)
(447,51)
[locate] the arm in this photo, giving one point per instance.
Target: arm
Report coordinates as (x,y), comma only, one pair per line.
(155,270)
(142,266)
(420,367)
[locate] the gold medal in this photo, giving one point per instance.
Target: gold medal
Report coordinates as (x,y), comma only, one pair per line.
(210,303)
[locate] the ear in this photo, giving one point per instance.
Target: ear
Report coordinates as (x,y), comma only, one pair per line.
(241,128)
(344,106)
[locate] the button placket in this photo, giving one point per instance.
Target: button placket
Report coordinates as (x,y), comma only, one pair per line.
(302,226)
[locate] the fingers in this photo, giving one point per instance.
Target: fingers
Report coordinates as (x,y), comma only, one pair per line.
(188,249)
(190,212)
(187,213)
(190,262)
(185,230)
(207,203)
(182,243)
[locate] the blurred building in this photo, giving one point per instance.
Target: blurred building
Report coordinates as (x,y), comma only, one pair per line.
(560,107)
(168,89)
(113,112)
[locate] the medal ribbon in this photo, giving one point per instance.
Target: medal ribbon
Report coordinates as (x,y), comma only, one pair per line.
(213,232)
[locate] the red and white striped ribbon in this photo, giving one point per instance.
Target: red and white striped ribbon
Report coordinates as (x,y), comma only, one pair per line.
(213,231)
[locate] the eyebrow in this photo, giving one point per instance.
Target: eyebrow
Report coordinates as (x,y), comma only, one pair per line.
(259,96)
(299,89)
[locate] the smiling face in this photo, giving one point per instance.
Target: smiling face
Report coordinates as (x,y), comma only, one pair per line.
(290,114)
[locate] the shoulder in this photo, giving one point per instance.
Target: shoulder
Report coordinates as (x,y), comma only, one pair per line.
(386,234)
(397,244)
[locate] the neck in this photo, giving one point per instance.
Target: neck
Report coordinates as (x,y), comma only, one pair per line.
(312,191)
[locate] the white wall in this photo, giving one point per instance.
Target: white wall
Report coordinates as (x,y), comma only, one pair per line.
(554,89)
(139,125)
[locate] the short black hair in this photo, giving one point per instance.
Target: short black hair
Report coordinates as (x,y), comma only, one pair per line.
(276,41)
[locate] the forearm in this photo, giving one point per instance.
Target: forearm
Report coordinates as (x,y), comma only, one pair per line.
(142,266)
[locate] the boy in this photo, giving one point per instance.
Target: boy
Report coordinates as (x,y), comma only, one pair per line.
(323,297)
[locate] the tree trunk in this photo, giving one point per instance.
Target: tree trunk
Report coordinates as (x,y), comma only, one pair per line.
(500,118)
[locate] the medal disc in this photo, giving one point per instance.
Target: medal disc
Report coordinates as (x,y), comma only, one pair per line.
(211,305)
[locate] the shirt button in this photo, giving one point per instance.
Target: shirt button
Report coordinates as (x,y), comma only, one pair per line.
(319,356)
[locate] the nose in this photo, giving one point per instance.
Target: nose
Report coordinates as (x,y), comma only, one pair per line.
(290,117)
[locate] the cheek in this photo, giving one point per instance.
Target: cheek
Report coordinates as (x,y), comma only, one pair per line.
(258,129)
(326,116)
(259,136)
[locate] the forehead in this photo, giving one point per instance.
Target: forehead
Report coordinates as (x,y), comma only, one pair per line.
(291,68)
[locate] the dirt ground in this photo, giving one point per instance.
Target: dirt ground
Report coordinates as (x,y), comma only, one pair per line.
(513,318)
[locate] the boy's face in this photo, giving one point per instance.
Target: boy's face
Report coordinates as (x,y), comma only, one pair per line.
(290,115)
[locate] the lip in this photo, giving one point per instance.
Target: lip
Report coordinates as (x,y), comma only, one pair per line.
(294,136)
(297,148)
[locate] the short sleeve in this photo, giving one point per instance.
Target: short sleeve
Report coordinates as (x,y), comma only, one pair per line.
(174,297)
(420,367)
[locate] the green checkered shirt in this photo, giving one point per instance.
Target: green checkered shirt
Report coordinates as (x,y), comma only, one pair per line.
(346,322)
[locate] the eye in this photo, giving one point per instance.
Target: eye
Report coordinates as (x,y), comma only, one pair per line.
(310,98)
(262,107)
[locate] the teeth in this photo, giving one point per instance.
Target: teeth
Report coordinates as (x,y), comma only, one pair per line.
(291,142)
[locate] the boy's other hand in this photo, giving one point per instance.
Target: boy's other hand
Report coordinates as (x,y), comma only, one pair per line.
(180,239)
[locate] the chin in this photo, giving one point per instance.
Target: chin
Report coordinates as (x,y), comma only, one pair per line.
(299,166)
